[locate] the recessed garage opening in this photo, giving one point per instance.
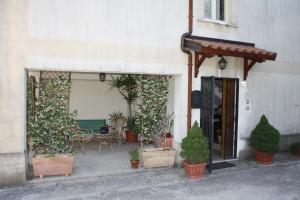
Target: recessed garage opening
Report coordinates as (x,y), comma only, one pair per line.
(103,113)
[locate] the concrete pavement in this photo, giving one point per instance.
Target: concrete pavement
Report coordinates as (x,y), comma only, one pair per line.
(276,182)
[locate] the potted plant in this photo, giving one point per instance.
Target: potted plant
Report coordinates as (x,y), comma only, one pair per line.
(132,131)
(51,129)
(134,158)
(168,139)
(127,87)
(265,140)
(117,120)
(295,149)
(195,152)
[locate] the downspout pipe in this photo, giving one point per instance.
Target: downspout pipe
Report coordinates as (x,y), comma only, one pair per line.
(190,63)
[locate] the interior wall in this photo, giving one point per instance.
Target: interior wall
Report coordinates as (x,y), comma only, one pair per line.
(171,96)
(94,99)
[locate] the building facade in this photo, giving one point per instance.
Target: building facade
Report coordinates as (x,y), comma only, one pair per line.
(134,36)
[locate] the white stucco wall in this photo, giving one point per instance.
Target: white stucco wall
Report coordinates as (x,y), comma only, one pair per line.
(134,36)
(94,99)
(272,87)
(12,89)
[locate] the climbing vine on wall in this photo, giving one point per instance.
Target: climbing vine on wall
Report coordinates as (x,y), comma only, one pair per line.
(151,114)
(53,125)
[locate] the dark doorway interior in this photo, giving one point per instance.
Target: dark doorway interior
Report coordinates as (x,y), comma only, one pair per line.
(219,116)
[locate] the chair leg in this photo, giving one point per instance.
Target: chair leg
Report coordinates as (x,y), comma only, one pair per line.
(83,148)
(99,148)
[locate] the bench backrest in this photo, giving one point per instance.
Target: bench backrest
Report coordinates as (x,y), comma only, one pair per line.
(93,124)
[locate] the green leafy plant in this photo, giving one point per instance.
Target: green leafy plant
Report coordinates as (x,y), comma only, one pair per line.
(116,117)
(151,114)
(30,117)
(295,148)
(133,126)
(170,125)
(127,87)
(265,137)
(134,154)
(194,147)
(53,125)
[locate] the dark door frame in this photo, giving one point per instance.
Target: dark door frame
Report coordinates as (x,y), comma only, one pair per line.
(210,162)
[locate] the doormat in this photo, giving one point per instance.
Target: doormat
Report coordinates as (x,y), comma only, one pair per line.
(222,165)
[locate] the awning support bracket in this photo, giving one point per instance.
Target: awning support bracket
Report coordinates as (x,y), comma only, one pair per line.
(199,59)
(248,66)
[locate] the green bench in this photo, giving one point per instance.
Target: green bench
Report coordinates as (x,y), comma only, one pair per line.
(88,129)
(91,124)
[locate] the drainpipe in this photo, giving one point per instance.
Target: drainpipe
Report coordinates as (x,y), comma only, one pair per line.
(190,63)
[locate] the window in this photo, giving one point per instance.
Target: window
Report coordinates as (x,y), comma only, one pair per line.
(214,10)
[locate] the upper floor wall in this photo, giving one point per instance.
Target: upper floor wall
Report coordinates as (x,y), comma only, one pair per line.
(270,24)
(146,31)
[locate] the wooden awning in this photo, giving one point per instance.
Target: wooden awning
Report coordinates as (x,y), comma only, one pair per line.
(209,47)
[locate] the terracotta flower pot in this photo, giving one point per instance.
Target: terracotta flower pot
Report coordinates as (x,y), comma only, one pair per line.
(263,158)
(168,135)
(131,137)
(166,142)
(135,164)
(194,171)
(60,164)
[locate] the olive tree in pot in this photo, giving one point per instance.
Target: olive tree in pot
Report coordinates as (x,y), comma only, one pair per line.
(195,151)
(265,140)
(51,128)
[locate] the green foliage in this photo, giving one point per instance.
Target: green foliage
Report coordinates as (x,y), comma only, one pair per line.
(127,87)
(151,114)
(134,154)
(265,137)
(295,147)
(194,147)
(133,126)
(115,117)
(53,125)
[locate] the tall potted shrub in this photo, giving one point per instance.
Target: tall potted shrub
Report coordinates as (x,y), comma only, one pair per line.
(265,140)
(51,129)
(195,151)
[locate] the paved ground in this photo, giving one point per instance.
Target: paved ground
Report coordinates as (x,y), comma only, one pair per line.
(276,182)
(93,163)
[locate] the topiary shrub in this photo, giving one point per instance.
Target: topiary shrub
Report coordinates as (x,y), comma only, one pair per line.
(265,137)
(194,147)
